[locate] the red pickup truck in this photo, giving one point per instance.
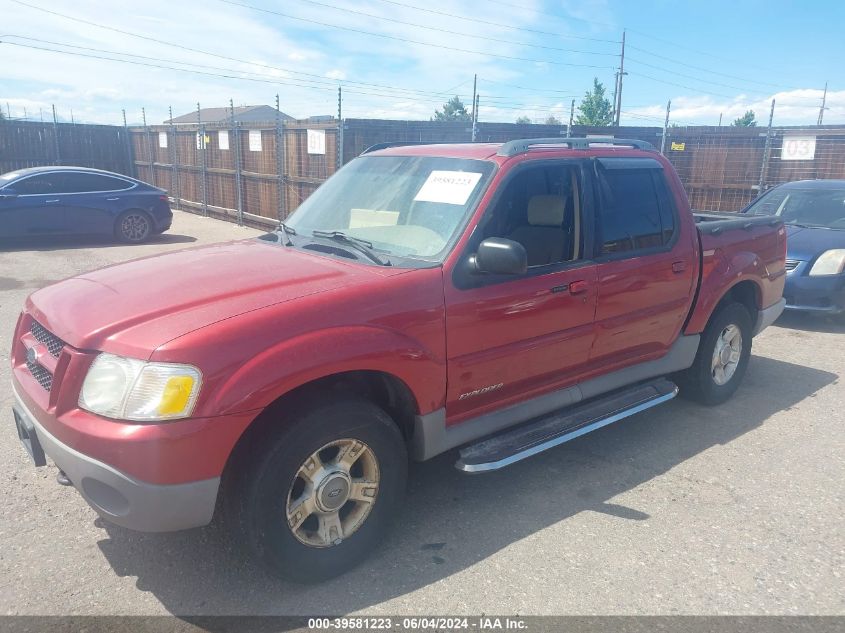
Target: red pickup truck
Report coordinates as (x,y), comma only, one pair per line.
(497,298)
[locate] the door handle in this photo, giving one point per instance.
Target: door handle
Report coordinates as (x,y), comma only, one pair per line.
(49,201)
(578,287)
(679,267)
(112,199)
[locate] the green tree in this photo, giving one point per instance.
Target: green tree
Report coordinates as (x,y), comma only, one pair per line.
(595,107)
(523,120)
(453,110)
(553,120)
(748,119)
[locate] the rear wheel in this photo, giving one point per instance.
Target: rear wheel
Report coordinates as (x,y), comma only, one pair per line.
(321,493)
(133,226)
(722,357)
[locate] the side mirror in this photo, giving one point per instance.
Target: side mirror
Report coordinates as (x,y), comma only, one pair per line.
(499,256)
(8,194)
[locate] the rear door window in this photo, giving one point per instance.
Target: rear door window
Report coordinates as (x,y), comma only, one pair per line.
(635,210)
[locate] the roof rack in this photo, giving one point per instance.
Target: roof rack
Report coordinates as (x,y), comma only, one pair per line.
(520,146)
(378,146)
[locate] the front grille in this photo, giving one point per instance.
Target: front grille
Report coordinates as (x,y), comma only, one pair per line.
(44,377)
(791,264)
(53,343)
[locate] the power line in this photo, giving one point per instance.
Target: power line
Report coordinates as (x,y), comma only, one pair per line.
(564,93)
(441,30)
(672,83)
(223,72)
(685,76)
(707,70)
(234,74)
(476,20)
(212,54)
(406,40)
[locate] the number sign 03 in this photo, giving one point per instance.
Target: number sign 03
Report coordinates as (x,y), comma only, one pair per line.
(798,148)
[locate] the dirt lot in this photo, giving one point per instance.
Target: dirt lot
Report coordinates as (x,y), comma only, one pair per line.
(683,509)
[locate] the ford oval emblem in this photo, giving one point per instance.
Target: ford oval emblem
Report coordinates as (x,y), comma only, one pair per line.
(31,355)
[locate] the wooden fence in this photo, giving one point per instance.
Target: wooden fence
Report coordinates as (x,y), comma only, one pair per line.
(258,173)
(35,144)
(255,173)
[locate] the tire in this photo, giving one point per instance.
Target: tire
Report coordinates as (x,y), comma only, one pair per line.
(133,227)
(704,382)
(259,499)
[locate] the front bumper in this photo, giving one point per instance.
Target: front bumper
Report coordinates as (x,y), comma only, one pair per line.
(824,294)
(120,498)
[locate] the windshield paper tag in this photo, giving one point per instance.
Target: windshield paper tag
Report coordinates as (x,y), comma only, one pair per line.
(449,187)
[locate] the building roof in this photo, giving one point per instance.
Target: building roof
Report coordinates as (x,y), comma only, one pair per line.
(251,113)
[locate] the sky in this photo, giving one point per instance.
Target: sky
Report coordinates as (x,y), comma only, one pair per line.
(401,59)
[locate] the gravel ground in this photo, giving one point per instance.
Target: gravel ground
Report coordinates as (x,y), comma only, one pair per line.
(679,510)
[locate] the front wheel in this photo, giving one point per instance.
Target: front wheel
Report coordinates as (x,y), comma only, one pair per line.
(722,357)
(322,492)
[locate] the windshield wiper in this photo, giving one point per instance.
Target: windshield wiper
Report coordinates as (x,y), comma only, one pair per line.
(360,245)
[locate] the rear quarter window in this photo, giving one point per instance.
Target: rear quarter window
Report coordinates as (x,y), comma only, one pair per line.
(81,183)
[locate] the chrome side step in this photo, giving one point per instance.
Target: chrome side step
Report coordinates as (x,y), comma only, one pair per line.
(556,428)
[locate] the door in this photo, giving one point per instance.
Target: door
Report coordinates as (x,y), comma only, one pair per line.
(645,269)
(95,203)
(511,337)
(33,205)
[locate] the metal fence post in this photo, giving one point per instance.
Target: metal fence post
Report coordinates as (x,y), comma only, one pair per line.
(236,139)
(201,150)
(204,182)
(149,146)
(280,163)
(665,129)
(56,136)
(338,142)
(174,159)
(764,167)
(130,154)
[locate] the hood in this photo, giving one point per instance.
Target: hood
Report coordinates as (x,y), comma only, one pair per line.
(134,307)
(807,244)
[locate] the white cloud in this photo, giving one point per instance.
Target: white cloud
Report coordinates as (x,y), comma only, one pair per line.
(794,107)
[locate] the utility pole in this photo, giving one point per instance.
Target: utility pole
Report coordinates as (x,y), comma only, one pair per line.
(720,119)
(665,128)
(621,75)
(822,109)
(571,118)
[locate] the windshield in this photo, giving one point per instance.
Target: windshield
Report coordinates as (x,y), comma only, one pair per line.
(808,207)
(406,206)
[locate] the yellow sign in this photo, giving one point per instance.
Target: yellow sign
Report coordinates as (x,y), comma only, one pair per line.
(678,147)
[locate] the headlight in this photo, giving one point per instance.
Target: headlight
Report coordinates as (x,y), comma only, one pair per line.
(831,262)
(131,389)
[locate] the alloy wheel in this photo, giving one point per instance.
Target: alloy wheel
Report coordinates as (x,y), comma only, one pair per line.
(333,492)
